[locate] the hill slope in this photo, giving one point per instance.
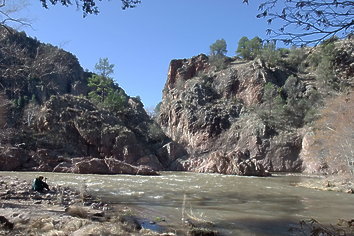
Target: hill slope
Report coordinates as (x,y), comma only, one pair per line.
(49,124)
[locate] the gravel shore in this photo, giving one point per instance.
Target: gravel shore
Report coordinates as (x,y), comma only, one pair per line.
(61,211)
(330,183)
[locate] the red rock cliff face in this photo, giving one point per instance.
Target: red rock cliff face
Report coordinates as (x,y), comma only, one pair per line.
(206,110)
(184,69)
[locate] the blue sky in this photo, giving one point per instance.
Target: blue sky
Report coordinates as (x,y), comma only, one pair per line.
(142,41)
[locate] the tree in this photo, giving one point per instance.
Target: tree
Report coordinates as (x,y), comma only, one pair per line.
(104,68)
(115,100)
(269,96)
(89,6)
(255,46)
(271,54)
(218,48)
(303,22)
(105,92)
(30,112)
(317,20)
(9,8)
(101,82)
(242,49)
(249,49)
(307,22)
(323,61)
(101,86)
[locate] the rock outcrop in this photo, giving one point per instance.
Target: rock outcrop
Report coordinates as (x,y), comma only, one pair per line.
(30,69)
(246,117)
(49,124)
(73,135)
(208,111)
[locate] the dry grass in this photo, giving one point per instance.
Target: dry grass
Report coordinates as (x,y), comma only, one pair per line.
(314,228)
(197,223)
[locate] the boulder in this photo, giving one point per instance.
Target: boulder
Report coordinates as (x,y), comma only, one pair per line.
(110,166)
(283,153)
(119,167)
(5,223)
(81,129)
(150,160)
(231,164)
(92,166)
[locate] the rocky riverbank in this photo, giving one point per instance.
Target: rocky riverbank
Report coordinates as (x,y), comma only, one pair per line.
(66,211)
(62,211)
(330,183)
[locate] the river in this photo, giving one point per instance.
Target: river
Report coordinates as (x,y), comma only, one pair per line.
(236,205)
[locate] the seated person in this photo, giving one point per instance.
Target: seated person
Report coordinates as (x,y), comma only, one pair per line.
(39,185)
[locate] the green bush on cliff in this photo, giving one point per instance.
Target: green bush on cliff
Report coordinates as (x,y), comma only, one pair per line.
(284,108)
(257,48)
(217,54)
(271,54)
(105,93)
(101,87)
(322,61)
(272,108)
(115,100)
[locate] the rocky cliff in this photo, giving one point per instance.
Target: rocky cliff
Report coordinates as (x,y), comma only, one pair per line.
(48,124)
(223,115)
(227,120)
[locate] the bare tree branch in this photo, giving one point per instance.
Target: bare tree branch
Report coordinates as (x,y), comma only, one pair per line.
(89,6)
(308,22)
(8,12)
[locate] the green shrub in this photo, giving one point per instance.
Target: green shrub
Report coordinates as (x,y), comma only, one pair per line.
(270,54)
(296,59)
(219,61)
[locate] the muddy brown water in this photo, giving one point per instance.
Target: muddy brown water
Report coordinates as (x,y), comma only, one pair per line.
(236,205)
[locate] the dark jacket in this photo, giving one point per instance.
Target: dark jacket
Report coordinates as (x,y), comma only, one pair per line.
(39,185)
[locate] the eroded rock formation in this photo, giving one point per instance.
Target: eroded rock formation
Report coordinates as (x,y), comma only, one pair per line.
(208,111)
(49,124)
